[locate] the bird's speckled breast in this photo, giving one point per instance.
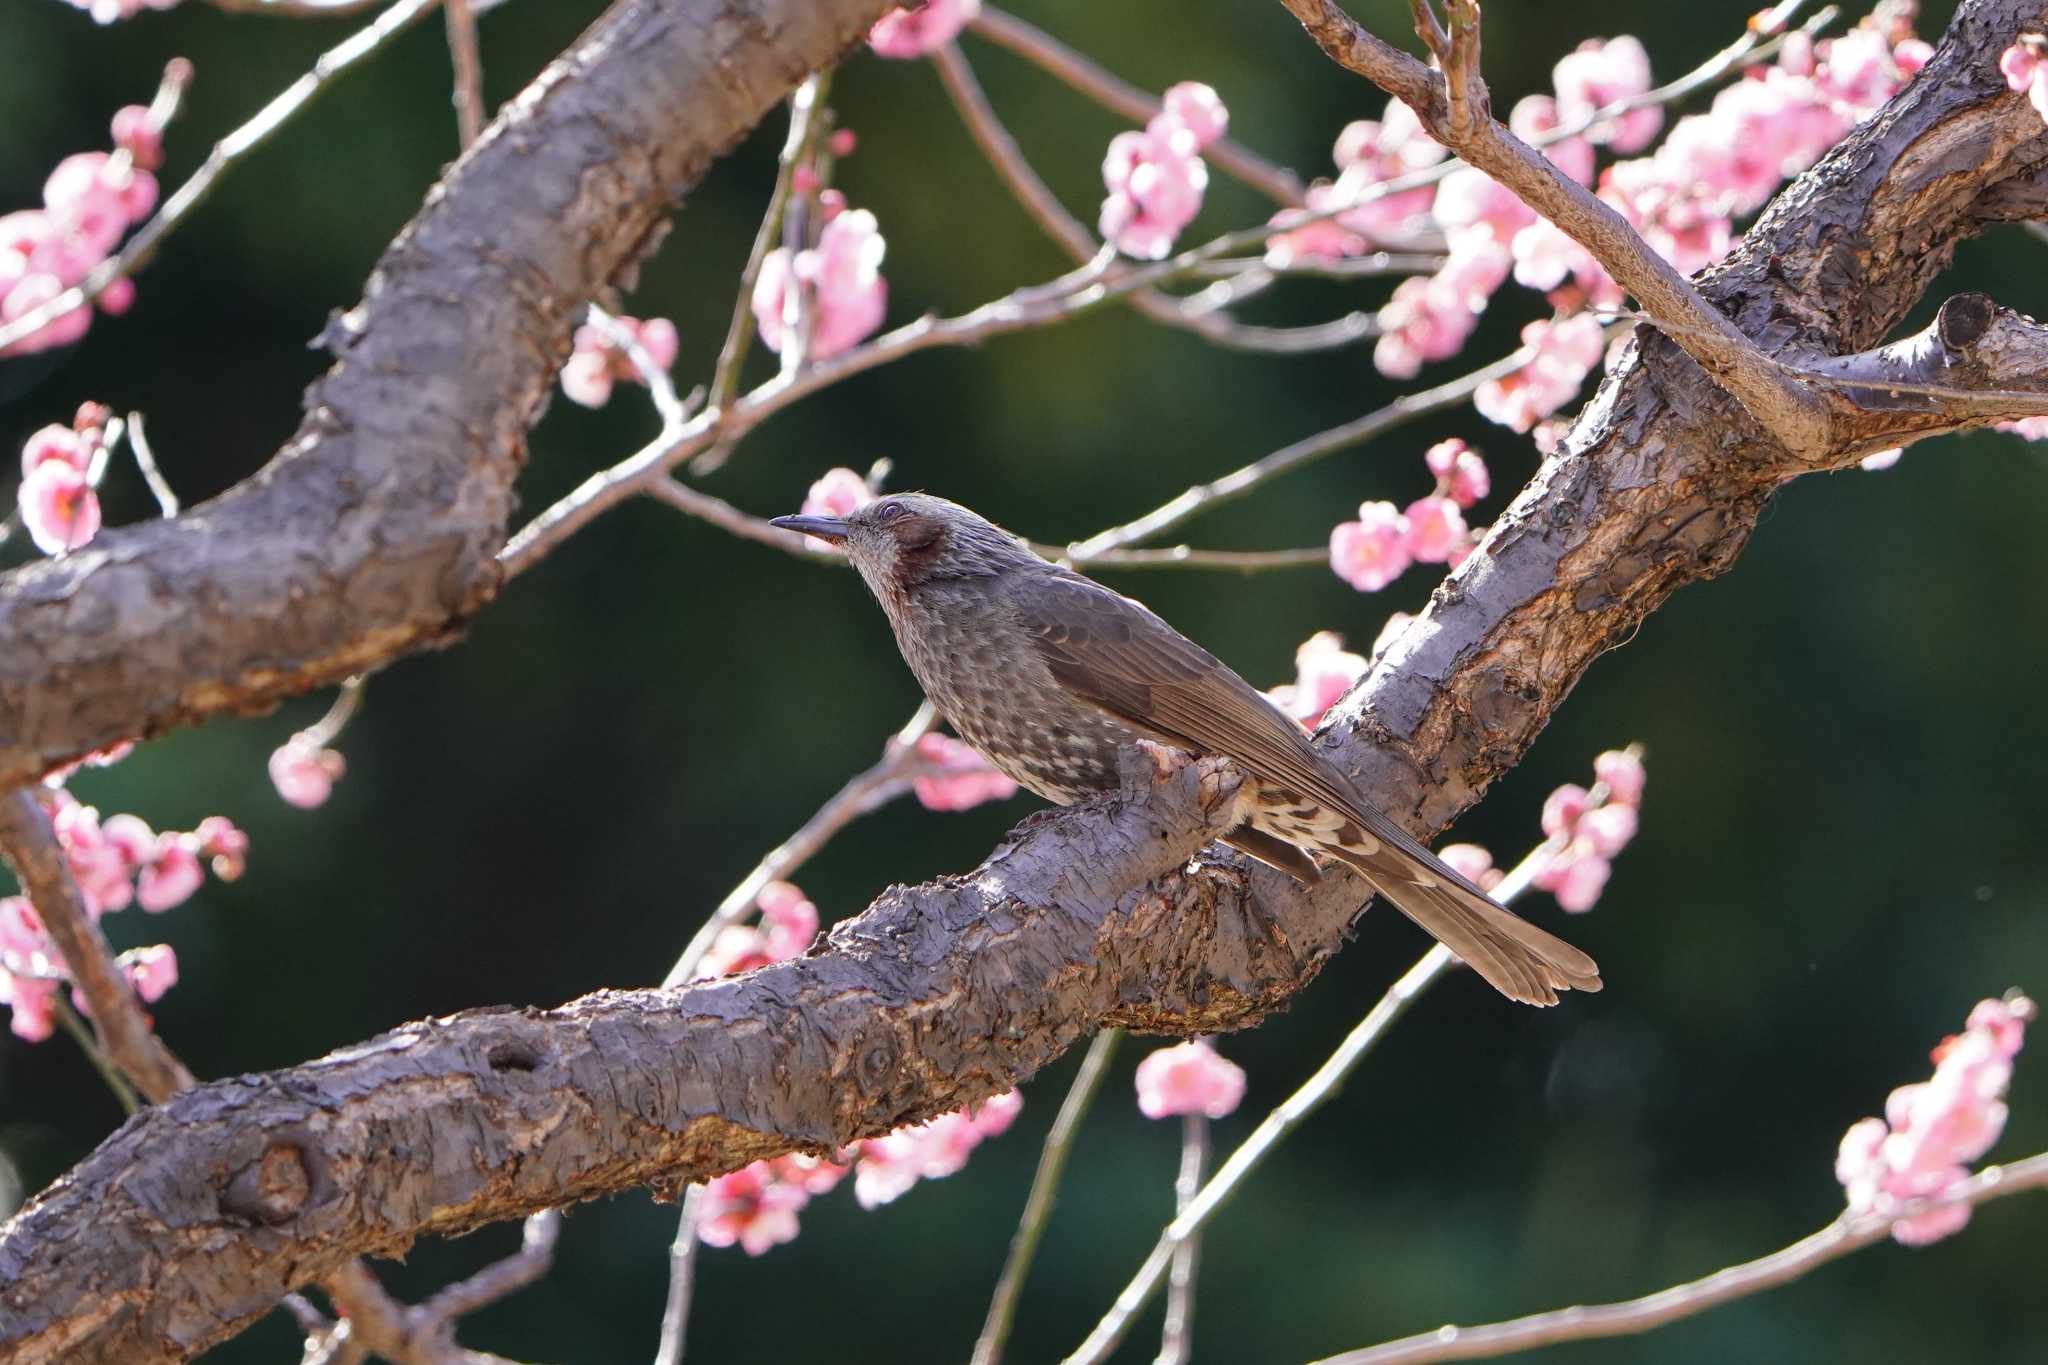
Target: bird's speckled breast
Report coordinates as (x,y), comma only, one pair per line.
(992,687)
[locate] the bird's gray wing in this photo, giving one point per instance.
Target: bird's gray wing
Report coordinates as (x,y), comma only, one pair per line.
(1118,655)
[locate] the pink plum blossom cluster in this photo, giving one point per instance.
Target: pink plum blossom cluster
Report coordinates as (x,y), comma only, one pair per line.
(116,862)
(600,361)
(919,30)
(836,286)
(1324,671)
(1932,1131)
(59,507)
(1156,176)
(1189,1078)
(1376,549)
(756,1207)
(89,203)
(1585,832)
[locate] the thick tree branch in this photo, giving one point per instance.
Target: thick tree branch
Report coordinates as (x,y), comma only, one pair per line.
(198,1214)
(375,531)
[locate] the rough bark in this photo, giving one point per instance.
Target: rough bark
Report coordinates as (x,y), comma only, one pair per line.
(200,1213)
(375,530)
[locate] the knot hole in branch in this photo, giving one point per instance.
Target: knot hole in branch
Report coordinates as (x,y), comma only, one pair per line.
(1963,319)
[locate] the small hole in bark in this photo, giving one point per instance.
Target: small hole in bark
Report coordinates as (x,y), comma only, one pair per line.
(513,1057)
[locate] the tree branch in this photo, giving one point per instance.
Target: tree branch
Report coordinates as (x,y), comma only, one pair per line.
(375,531)
(198,1214)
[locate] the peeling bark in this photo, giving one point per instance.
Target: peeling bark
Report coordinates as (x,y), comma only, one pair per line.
(196,1215)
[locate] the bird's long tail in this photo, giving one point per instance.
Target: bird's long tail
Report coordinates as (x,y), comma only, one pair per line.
(1519,960)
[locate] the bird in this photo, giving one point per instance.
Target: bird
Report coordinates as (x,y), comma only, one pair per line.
(1051,676)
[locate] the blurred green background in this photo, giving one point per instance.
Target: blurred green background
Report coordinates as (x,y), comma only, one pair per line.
(1841,852)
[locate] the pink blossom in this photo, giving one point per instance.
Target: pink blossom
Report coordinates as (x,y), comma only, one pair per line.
(1369,153)
(95,861)
(599,361)
(152,971)
(33,1015)
(1535,115)
(1373,551)
(885,1167)
(1931,1131)
(1601,73)
(842,277)
(1565,352)
(1474,207)
(1880,459)
(811,1174)
(2025,65)
(107,11)
(963,778)
(1323,672)
(304,772)
(139,135)
(1316,238)
(1460,472)
(1677,209)
(33,290)
(1576,878)
(1155,180)
(1430,317)
(842,143)
(1547,259)
(1436,529)
(750,1207)
(839,493)
(130,838)
(1473,863)
(1197,108)
(2027,428)
(225,846)
(1188,1078)
(59,508)
(1608,830)
(1623,775)
(59,445)
(789,922)
(1564,808)
(916,30)
(170,877)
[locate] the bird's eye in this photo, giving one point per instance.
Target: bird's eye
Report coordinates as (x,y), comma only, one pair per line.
(889,511)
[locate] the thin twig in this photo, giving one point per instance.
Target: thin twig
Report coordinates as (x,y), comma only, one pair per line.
(1045,209)
(29,845)
(1837,1239)
(682,1280)
(1038,1204)
(500,1279)
(347,701)
(1276,1126)
(145,460)
(889,777)
(1241,481)
(1050,55)
(661,389)
(245,139)
(1453,106)
(1177,1337)
(81,1033)
(469,71)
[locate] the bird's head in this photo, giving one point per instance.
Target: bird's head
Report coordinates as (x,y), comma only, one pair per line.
(904,539)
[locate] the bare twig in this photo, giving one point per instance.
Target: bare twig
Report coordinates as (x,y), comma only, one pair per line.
(1453,106)
(1177,1337)
(145,460)
(348,699)
(81,1033)
(469,70)
(1276,1126)
(236,145)
(1045,1184)
(1046,210)
(1049,54)
(889,777)
(682,1280)
(498,1280)
(1837,1239)
(1241,481)
(29,845)
(804,106)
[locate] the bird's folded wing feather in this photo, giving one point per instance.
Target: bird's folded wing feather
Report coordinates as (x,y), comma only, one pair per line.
(1117,654)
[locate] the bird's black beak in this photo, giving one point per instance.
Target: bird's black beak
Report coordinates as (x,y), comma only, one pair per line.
(824,528)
